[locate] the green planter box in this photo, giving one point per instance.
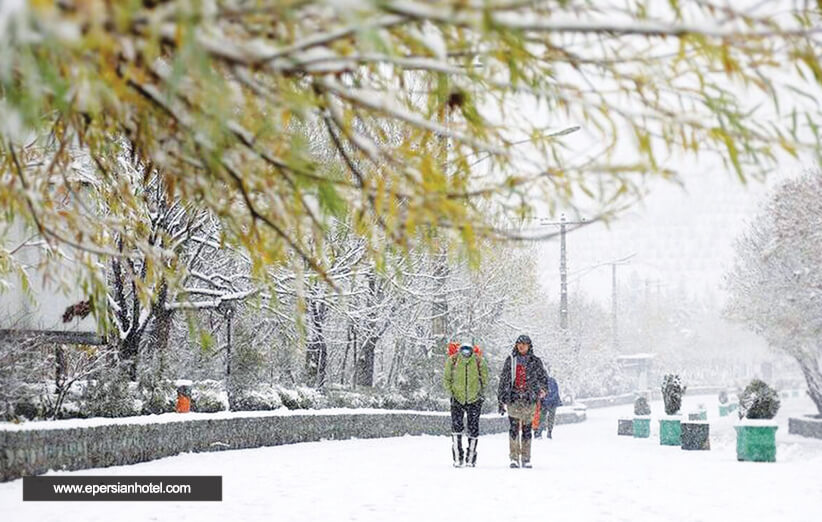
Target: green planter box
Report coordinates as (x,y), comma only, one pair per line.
(698,416)
(795,393)
(756,443)
(696,435)
(670,432)
(724,410)
(642,427)
(732,406)
(625,427)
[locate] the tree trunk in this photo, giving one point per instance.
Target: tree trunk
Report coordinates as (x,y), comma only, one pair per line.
(228,384)
(60,366)
(439,326)
(317,353)
(810,369)
(365,363)
(128,354)
(162,330)
(350,338)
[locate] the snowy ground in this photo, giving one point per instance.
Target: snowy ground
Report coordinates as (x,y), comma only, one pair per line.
(586,473)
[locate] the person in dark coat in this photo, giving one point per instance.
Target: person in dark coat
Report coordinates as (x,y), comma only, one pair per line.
(522,383)
(548,410)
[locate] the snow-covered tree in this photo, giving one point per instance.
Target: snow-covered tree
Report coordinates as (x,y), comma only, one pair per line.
(216,96)
(776,282)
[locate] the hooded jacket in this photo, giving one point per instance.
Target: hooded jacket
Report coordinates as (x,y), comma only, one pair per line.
(465,378)
(552,400)
(536,379)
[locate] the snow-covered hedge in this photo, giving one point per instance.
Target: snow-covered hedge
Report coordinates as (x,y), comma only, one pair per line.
(260,398)
(208,396)
(111,398)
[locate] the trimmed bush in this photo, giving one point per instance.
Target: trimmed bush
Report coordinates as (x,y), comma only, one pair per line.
(672,392)
(758,401)
(641,406)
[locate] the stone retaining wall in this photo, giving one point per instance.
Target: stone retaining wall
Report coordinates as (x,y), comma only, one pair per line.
(35,451)
(808,426)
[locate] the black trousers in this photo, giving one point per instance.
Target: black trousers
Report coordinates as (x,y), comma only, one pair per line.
(513,428)
(459,411)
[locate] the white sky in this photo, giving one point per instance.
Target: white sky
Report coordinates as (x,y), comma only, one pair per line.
(682,237)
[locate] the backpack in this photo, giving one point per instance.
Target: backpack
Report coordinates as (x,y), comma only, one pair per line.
(455,347)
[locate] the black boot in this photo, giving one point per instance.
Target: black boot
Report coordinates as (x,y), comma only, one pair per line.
(456,449)
(471,456)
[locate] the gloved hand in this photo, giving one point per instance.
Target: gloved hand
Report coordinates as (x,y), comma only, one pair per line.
(501,409)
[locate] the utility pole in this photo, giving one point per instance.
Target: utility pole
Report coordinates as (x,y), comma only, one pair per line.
(563,277)
(563,268)
(614,331)
(614,300)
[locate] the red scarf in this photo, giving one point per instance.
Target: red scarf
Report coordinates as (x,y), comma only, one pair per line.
(519,379)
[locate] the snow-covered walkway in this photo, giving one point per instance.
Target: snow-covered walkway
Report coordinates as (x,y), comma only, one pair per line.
(586,473)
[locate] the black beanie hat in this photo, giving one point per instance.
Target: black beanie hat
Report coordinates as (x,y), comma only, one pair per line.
(524,339)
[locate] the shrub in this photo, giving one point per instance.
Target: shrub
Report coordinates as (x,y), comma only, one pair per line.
(111,395)
(672,392)
(290,399)
(28,409)
(258,398)
(641,406)
(158,396)
(208,396)
(311,398)
(758,401)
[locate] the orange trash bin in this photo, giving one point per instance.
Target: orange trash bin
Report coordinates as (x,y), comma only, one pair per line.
(183,399)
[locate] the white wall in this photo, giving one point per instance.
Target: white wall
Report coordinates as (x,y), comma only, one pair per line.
(53,287)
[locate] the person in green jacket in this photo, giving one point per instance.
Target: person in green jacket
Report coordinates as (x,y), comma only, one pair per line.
(465,379)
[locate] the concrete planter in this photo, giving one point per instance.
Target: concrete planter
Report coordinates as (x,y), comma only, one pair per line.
(625,427)
(756,440)
(670,431)
(807,426)
(698,416)
(642,426)
(696,435)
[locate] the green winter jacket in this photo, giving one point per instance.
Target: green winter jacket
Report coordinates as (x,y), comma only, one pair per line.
(465,378)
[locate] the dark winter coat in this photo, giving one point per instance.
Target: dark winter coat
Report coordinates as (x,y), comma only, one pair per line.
(552,400)
(536,379)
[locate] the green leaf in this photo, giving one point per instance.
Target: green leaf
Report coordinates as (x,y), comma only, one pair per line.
(330,201)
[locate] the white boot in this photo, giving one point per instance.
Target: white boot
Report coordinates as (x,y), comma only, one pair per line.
(456,449)
(471,456)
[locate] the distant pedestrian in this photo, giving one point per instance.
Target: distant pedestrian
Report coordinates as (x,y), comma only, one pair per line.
(465,378)
(548,408)
(522,383)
